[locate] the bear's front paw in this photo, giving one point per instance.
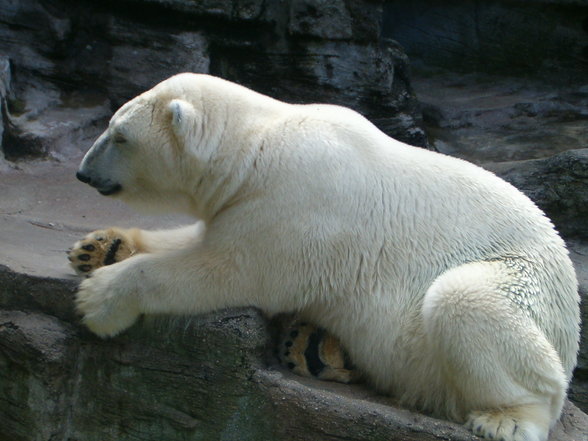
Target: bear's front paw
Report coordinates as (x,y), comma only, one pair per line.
(107,306)
(101,248)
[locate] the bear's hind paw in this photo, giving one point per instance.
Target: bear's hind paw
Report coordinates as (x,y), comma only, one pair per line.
(505,426)
(100,248)
(310,351)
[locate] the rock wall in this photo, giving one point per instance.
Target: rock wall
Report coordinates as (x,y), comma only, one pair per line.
(68,56)
(499,36)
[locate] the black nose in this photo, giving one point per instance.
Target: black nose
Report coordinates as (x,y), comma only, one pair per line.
(82,177)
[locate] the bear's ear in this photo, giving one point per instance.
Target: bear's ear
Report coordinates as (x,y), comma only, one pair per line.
(183,119)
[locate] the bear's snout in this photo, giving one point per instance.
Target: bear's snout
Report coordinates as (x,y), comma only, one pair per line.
(105,188)
(82,177)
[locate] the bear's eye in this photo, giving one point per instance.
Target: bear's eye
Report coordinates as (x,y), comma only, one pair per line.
(119,139)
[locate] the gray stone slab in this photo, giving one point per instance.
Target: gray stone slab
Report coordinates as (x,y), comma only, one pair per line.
(44,210)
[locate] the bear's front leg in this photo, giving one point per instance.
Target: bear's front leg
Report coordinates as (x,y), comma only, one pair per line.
(193,280)
(106,247)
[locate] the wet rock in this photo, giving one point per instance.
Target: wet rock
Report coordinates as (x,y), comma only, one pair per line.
(234,10)
(47,295)
(60,132)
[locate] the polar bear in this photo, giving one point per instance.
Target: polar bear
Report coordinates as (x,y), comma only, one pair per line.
(449,288)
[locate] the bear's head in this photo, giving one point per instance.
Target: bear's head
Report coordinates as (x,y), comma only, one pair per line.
(153,149)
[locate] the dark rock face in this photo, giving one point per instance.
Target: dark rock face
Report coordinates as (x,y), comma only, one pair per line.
(492,36)
(78,60)
(557,184)
(152,384)
(4,88)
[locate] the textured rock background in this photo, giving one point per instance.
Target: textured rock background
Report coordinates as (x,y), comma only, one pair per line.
(75,61)
(499,83)
(503,37)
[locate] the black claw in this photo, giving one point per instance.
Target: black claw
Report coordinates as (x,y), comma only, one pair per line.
(70,258)
(110,256)
(85,268)
(89,247)
(84,257)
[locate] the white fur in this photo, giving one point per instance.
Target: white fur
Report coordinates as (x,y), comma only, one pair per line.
(449,288)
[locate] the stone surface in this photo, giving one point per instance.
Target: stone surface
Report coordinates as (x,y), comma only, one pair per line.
(497,118)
